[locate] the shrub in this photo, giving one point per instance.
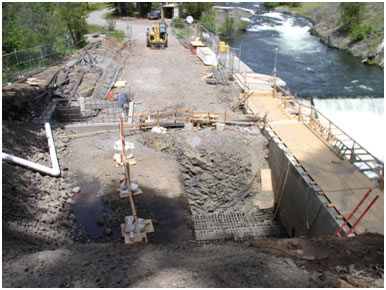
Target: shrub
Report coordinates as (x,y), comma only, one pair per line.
(361,31)
(351,15)
(271,4)
(242,25)
(228,27)
(293,4)
(178,23)
(208,20)
(110,23)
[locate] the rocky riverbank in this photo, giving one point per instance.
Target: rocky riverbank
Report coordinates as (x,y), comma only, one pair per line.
(328,28)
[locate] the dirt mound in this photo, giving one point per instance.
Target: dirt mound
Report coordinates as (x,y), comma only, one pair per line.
(21,102)
(36,211)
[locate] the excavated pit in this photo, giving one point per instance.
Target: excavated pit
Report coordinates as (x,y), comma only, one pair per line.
(221,174)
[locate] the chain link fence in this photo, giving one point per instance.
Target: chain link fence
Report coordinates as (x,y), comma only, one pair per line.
(19,63)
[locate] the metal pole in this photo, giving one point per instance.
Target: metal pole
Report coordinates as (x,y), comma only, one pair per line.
(239,57)
(17,62)
(274,73)
(41,57)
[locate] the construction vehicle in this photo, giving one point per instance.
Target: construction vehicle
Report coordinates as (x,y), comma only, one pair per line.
(158,37)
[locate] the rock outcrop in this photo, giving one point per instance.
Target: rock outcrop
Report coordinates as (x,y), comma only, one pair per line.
(326,26)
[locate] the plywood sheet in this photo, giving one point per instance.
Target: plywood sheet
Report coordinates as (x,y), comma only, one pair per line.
(120,84)
(266,104)
(332,173)
(343,184)
(266,180)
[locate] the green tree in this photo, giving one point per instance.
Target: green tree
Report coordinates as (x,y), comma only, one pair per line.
(196,9)
(351,14)
(228,28)
(271,4)
(27,24)
(242,25)
(73,16)
(208,20)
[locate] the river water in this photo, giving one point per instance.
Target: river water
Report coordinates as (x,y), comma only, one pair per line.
(350,93)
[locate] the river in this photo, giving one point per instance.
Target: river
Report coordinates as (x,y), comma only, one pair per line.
(350,93)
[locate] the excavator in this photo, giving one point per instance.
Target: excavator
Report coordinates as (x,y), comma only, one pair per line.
(158,37)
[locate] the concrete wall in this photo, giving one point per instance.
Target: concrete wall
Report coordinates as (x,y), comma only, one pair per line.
(302,210)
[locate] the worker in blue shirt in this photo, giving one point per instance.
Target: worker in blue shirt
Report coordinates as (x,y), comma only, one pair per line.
(124,104)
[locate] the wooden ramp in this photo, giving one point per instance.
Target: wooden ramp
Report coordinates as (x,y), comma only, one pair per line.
(343,184)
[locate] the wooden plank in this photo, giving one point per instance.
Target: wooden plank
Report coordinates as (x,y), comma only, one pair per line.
(120,84)
(266,180)
(130,161)
(262,105)
(138,192)
(140,237)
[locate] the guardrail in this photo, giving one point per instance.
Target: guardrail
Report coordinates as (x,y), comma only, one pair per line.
(335,138)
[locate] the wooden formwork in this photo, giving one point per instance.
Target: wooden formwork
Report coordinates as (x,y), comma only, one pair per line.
(180,117)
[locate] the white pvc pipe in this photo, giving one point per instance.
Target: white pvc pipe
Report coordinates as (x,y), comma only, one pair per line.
(54,171)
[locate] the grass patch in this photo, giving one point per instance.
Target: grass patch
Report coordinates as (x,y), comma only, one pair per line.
(184,33)
(117,34)
(304,7)
(93,28)
(111,15)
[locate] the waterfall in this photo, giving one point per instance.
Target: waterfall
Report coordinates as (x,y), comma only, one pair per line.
(360,118)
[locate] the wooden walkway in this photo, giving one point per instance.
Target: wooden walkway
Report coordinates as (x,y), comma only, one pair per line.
(342,183)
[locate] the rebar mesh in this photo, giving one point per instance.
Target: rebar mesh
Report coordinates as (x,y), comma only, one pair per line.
(235,226)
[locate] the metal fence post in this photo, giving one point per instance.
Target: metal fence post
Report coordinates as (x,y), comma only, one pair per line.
(68,43)
(17,62)
(41,57)
(239,57)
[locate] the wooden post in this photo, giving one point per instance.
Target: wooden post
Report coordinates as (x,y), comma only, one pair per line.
(158,119)
(274,87)
(300,118)
(245,81)
(329,132)
(225,117)
(352,155)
